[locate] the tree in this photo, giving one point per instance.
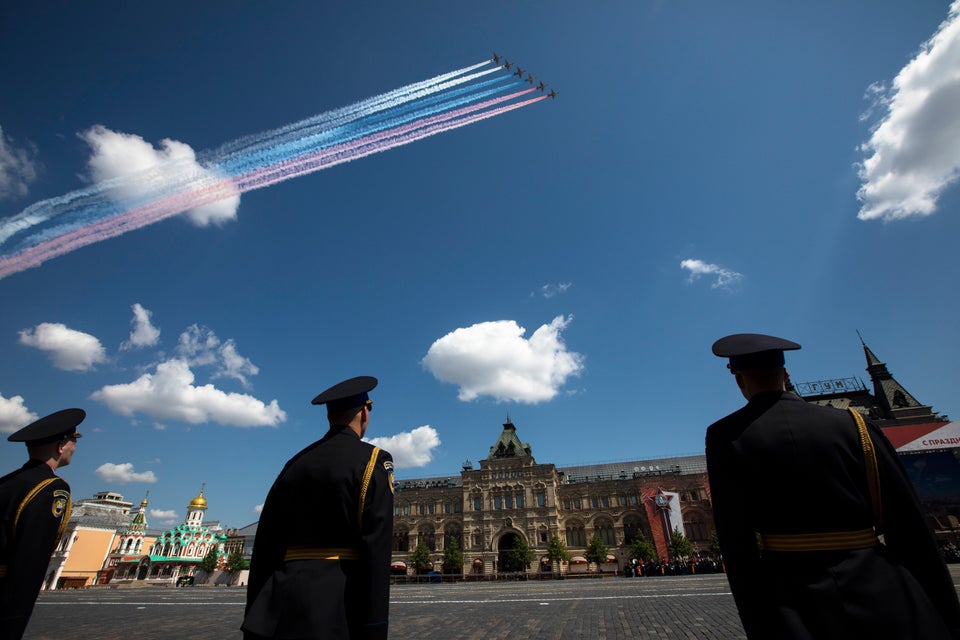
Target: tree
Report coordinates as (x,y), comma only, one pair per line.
(557,553)
(596,551)
(714,544)
(452,557)
(518,557)
(236,562)
(679,546)
(642,549)
(210,561)
(420,559)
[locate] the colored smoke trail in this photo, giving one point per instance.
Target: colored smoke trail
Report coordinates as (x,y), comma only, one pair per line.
(107,209)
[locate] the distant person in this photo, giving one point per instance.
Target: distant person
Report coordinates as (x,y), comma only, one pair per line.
(34,507)
(801,494)
(321,556)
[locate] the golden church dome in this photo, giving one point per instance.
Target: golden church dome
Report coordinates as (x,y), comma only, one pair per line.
(198,503)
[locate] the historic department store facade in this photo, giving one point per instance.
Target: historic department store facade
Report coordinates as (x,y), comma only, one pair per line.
(512,495)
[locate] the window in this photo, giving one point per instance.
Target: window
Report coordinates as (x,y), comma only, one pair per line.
(406,509)
(595,502)
(519,501)
(541,499)
(508,499)
(497,502)
(605,531)
(477,503)
(575,536)
(430,508)
(566,503)
(623,501)
(577,504)
(456,507)
(420,508)
(606,501)
(633,500)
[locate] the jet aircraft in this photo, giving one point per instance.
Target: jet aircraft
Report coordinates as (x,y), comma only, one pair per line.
(530,78)
(519,73)
(507,63)
(496,59)
(542,85)
(553,94)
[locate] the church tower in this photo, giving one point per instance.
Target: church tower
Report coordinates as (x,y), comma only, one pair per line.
(196,508)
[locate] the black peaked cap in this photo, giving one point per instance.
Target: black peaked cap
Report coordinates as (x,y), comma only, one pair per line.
(347,394)
(61,424)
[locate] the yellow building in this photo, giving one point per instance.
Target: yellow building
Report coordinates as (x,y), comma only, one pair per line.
(90,535)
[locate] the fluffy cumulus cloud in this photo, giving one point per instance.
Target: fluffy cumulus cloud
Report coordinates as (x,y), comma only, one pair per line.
(913,153)
(18,168)
(258,508)
(14,414)
(135,169)
(199,346)
(412,448)
(170,394)
(143,333)
(123,473)
(722,277)
(69,349)
(495,359)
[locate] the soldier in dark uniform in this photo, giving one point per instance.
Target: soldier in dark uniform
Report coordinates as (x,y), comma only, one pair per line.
(798,519)
(34,508)
(321,557)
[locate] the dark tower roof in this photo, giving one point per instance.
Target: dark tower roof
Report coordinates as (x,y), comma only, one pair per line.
(508,445)
(893,400)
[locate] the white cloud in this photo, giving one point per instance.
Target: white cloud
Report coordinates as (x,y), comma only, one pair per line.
(17,168)
(122,473)
(143,334)
(234,365)
(914,151)
(410,449)
(169,394)
(14,414)
(258,508)
(551,290)
(138,170)
(162,516)
(494,359)
(200,346)
(724,278)
(69,349)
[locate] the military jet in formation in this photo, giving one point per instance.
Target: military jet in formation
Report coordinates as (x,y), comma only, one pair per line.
(540,86)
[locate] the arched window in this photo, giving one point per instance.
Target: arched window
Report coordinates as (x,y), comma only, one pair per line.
(428,537)
(452,532)
(575,534)
(401,540)
(604,529)
(632,527)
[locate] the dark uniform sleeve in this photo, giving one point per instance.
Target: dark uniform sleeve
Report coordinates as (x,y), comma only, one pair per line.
(738,539)
(376,533)
(268,548)
(907,534)
(37,531)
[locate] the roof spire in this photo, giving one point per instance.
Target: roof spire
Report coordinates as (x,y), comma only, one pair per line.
(894,400)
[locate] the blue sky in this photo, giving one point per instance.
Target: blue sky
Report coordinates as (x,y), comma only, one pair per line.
(705,170)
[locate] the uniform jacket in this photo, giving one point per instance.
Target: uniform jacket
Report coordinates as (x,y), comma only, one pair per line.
(781,465)
(34,508)
(315,503)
